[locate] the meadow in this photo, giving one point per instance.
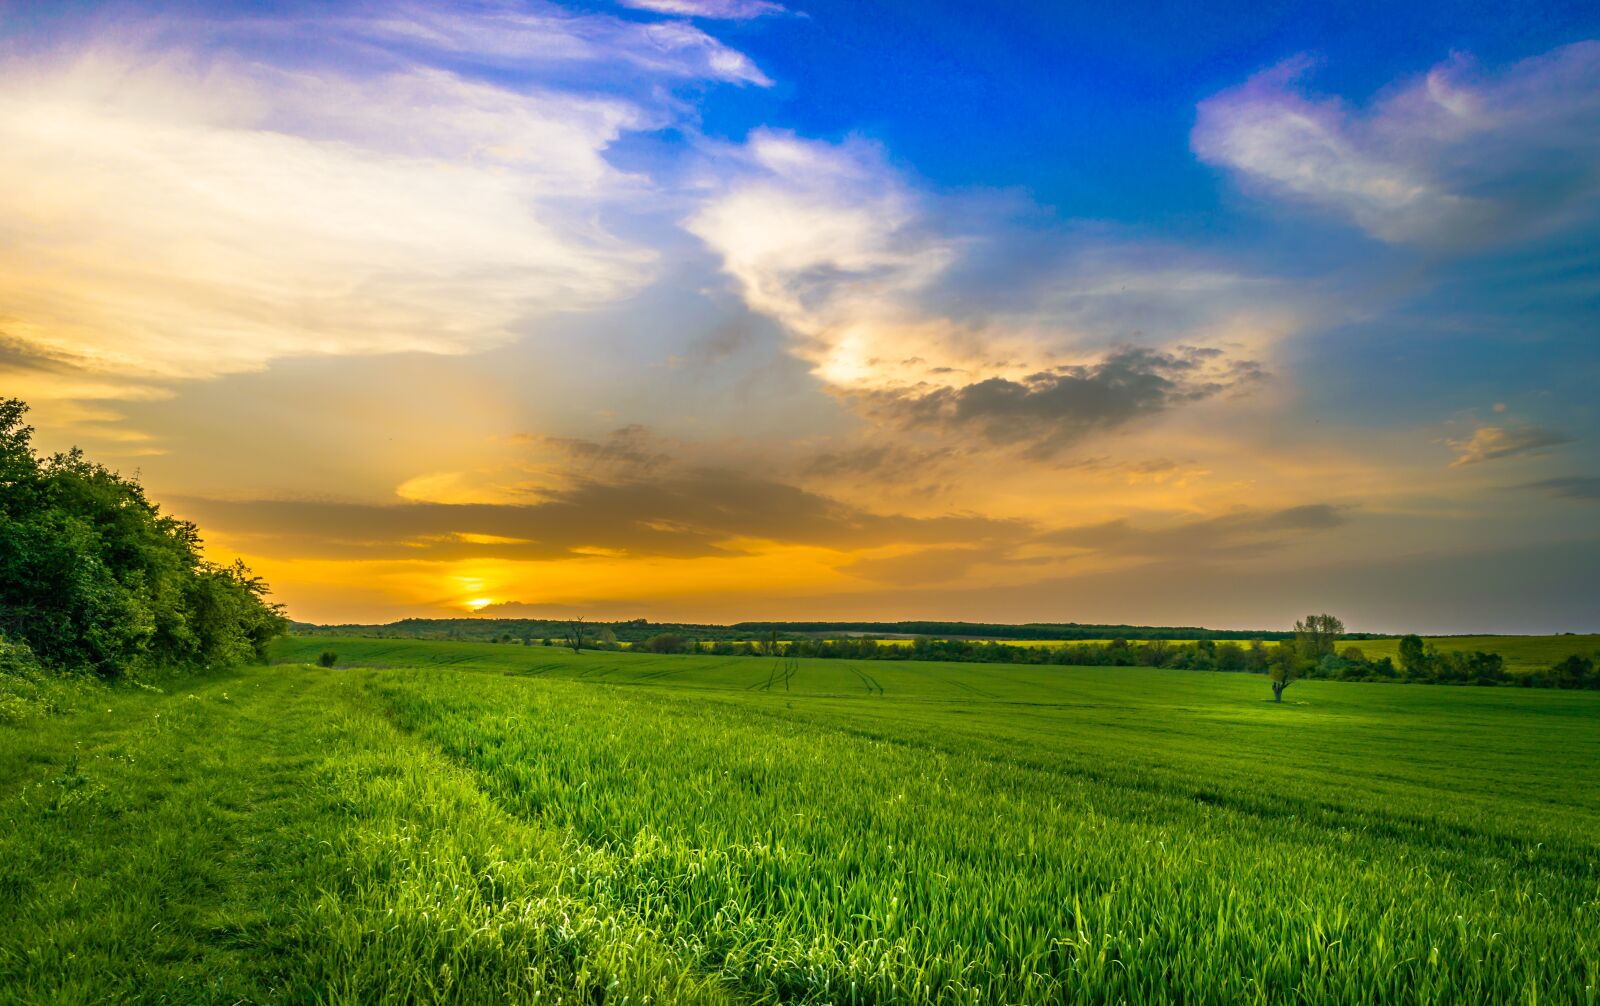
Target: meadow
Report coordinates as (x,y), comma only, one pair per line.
(466,822)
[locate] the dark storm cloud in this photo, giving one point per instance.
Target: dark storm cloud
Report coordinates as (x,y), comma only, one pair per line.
(686,516)
(1049,410)
(1234,535)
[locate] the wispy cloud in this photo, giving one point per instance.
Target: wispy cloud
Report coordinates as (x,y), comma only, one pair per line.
(189,202)
(728,10)
(680,515)
(1572,487)
(530,35)
(1455,156)
(1240,534)
(1489,443)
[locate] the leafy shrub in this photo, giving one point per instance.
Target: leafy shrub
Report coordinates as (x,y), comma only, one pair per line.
(667,642)
(1576,671)
(327,659)
(94,576)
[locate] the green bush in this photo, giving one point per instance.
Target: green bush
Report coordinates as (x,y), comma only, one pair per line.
(667,642)
(327,659)
(94,576)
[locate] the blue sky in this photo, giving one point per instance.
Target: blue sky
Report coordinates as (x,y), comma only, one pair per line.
(727,308)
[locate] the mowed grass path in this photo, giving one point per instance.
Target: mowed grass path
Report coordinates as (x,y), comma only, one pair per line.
(471,822)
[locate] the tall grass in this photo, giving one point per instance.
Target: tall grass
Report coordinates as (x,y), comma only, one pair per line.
(889,858)
(481,823)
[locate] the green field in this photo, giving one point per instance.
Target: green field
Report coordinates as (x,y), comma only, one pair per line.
(1522,653)
(439,822)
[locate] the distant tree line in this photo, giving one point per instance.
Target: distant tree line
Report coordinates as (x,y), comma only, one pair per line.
(639,630)
(1311,650)
(1071,631)
(1317,647)
(528,631)
(93,576)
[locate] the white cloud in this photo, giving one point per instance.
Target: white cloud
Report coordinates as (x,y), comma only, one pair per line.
(826,240)
(527,36)
(833,243)
(184,200)
(174,219)
(1453,156)
(728,10)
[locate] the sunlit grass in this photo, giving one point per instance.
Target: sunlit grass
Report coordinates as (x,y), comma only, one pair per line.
(437,822)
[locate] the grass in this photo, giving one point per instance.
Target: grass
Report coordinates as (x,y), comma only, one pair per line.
(438,822)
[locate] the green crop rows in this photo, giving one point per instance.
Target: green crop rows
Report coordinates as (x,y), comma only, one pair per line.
(478,822)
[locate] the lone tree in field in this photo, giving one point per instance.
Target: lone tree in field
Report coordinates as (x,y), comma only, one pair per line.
(1284,665)
(575,634)
(1316,635)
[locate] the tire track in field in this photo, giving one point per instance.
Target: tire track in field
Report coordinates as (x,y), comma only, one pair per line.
(869,682)
(537,669)
(777,674)
(950,679)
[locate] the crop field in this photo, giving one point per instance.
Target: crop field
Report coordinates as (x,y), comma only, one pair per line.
(1522,653)
(442,822)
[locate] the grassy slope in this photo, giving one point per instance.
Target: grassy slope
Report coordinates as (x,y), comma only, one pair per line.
(938,832)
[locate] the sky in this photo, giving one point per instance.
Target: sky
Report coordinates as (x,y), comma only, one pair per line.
(715,310)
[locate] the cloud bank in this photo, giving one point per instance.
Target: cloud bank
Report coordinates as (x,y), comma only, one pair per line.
(181,204)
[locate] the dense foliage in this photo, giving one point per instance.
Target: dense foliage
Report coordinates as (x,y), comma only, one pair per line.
(94,576)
